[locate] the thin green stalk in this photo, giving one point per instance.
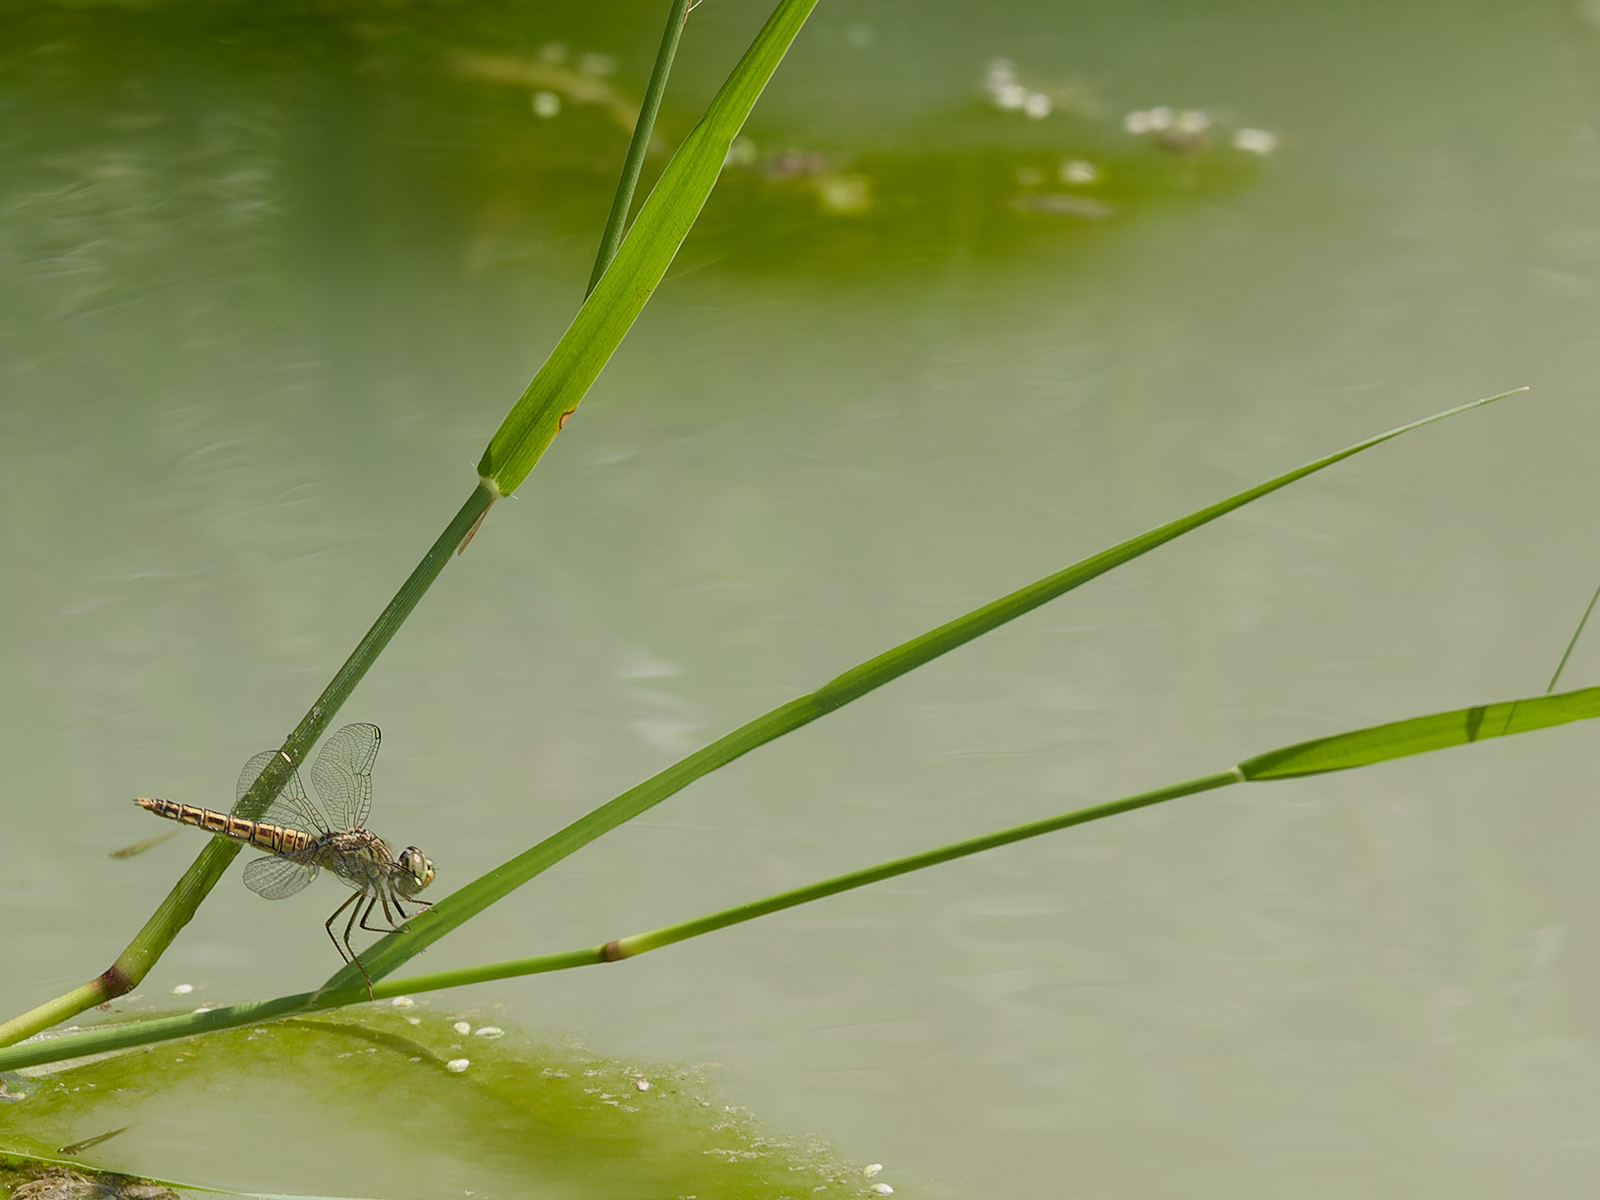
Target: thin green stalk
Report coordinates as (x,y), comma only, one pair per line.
(1576,634)
(639,943)
(63,1008)
(643,130)
(180,904)
(478,895)
(1344,751)
(108,1038)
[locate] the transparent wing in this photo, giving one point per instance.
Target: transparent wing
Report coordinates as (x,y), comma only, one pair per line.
(343,775)
(291,806)
(277,876)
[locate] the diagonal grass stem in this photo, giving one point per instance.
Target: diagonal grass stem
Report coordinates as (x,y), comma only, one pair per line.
(1345,751)
(639,145)
(854,683)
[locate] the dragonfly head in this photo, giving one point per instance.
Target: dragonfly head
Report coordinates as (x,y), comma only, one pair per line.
(416,872)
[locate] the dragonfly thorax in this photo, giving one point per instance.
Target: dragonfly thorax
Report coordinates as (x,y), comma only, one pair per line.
(358,856)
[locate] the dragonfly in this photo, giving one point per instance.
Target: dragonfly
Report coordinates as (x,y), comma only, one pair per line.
(302,838)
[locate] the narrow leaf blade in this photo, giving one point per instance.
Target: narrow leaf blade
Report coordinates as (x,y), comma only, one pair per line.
(1419,735)
(471,899)
(652,242)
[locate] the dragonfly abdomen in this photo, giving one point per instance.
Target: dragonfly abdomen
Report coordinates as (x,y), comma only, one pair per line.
(277,839)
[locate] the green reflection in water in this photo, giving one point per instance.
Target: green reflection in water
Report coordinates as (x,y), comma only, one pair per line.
(337,139)
(452,1101)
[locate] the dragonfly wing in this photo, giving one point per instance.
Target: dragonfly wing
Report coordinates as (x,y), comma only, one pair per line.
(290,807)
(343,775)
(277,876)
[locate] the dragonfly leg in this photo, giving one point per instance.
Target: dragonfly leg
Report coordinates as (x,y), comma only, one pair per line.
(349,928)
(346,951)
(399,915)
(355,958)
(328,925)
(387,916)
(405,916)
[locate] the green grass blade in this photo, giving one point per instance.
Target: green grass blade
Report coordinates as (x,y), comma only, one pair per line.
(662,224)
(1419,735)
(124,1035)
(640,942)
(1361,747)
(643,128)
(478,895)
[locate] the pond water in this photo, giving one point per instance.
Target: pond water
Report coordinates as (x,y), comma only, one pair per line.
(272,280)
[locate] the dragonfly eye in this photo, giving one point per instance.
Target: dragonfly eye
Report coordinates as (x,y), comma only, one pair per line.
(418,870)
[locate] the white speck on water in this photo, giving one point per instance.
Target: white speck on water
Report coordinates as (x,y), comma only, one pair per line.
(413,1020)
(462,1027)
(871,1169)
(183,989)
(546,104)
(1077,170)
(1191,121)
(1011,97)
(403,1002)
(844,193)
(458,1065)
(489,1031)
(883,1189)
(1036,105)
(1255,141)
(643,1085)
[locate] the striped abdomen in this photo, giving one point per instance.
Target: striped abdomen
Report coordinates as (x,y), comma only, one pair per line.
(276,839)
